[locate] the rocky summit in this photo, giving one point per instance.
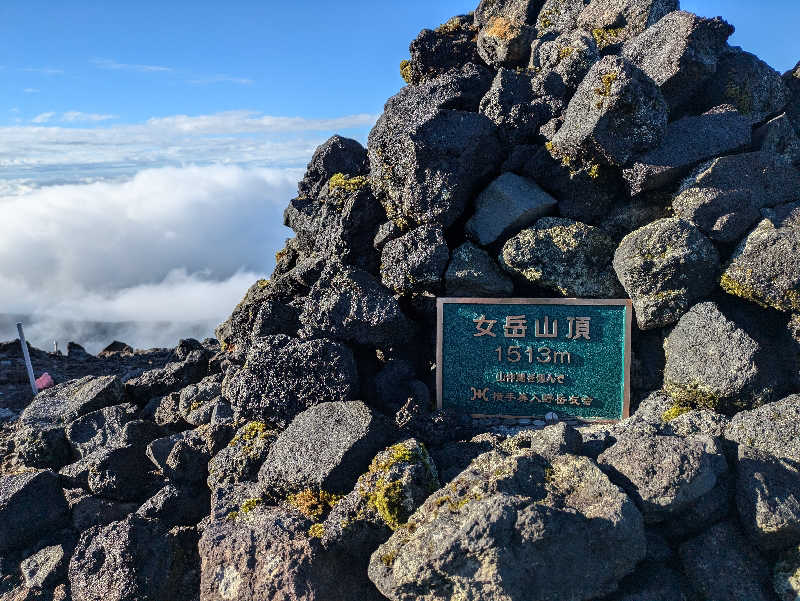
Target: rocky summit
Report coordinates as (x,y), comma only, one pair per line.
(542,148)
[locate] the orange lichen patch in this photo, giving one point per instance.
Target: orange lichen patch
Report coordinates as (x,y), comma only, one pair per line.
(502,28)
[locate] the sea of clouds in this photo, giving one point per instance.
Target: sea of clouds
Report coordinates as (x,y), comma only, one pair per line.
(158,228)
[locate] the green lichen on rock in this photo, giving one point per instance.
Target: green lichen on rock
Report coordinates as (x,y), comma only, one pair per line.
(673,412)
(313,503)
(606,36)
(405,70)
(316,531)
(339,182)
(386,498)
(252,431)
(449,27)
(693,395)
(246,507)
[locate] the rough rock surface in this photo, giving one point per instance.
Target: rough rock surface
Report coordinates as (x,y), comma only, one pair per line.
(773,428)
(568,257)
(415,261)
(665,267)
(31,504)
(480,534)
(472,272)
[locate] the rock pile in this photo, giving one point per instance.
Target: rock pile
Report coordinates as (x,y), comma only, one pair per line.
(542,148)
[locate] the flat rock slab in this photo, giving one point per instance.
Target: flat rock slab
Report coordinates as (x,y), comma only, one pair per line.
(688,141)
(65,402)
(507,205)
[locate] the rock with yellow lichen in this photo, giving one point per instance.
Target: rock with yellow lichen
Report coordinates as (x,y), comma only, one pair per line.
(479,536)
(563,256)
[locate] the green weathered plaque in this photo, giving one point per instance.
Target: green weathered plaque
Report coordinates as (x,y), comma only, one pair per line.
(526,357)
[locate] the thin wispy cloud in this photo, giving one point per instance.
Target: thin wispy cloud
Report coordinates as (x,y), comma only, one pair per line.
(252,121)
(30,90)
(104,63)
(44,70)
(204,81)
(43,117)
(73,116)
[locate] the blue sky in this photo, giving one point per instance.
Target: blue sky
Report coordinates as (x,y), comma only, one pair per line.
(147,149)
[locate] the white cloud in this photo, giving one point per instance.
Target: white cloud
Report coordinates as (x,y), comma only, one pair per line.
(104,63)
(202,81)
(43,117)
(170,244)
(79,116)
(30,90)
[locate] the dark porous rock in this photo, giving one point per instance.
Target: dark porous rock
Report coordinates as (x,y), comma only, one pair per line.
(41,447)
(386,231)
(396,383)
(720,360)
(658,548)
(479,536)
(65,402)
(31,505)
(791,80)
(506,206)
(559,65)
(712,507)
(88,510)
(454,457)
(99,428)
(773,428)
(341,222)
(176,506)
(664,474)
(336,155)
(121,474)
(399,479)
(616,113)
(647,360)
(325,448)
(275,385)
(116,348)
(595,439)
(435,51)
(549,443)
(170,378)
(650,412)
(629,215)
(521,11)
(779,136)
(512,104)
(723,197)
(134,560)
(696,422)
(680,53)
(765,267)
(140,432)
(569,257)
(748,83)
(786,575)
(505,41)
(428,153)
(652,581)
(350,305)
(614,21)
(666,267)
(558,17)
(242,457)
(194,396)
(45,568)
(768,499)
(688,141)
(720,565)
(415,261)
(472,272)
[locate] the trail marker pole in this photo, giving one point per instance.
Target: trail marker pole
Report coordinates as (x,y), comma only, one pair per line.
(31,377)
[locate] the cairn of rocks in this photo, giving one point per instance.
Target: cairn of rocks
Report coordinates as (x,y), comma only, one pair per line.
(596,149)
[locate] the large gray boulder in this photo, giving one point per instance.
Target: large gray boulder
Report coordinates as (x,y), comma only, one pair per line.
(664,474)
(435,51)
(687,142)
(765,267)
(415,261)
(680,53)
(325,448)
(274,384)
(507,205)
(768,499)
(724,197)
(616,113)
(505,40)
(559,65)
(66,402)
(336,155)
(713,361)
(99,428)
(748,83)
(773,428)
(479,536)
(242,457)
(558,17)
(472,272)
(721,565)
(428,153)
(615,21)
(665,267)
(31,506)
(352,306)
(566,256)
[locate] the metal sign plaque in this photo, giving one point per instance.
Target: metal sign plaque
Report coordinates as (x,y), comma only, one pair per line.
(526,357)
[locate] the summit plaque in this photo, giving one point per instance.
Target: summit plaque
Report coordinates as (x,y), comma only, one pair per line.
(527,357)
